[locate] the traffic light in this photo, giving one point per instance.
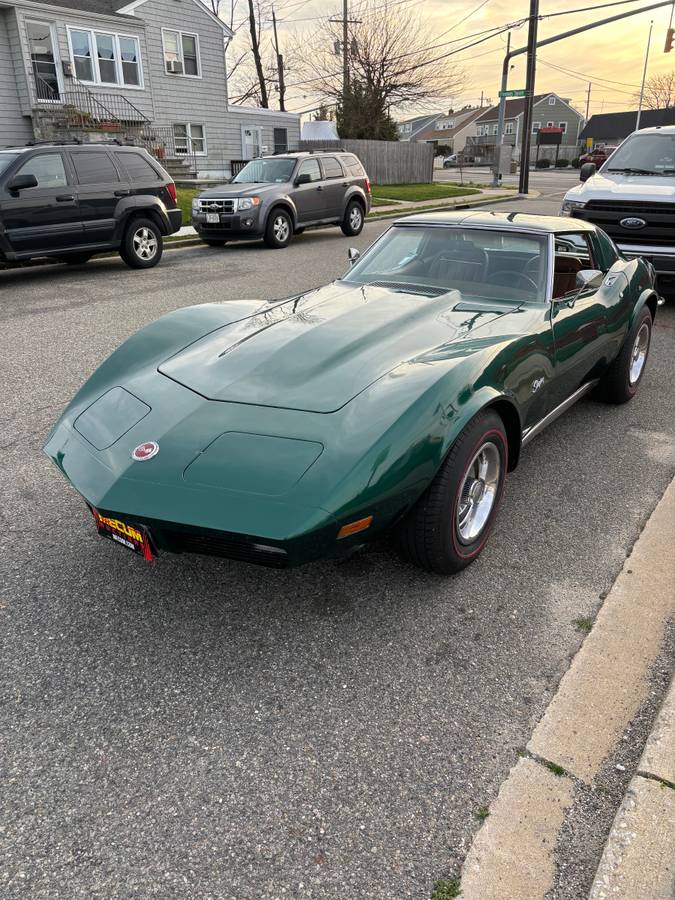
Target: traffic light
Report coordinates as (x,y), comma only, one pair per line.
(669,40)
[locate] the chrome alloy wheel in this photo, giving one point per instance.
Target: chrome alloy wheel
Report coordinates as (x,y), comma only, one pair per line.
(639,354)
(478,494)
(282,229)
(145,243)
(355,218)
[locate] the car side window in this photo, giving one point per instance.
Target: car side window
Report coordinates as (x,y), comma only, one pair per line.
(607,251)
(48,169)
(310,167)
(573,253)
(137,167)
(331,167)
(94,167)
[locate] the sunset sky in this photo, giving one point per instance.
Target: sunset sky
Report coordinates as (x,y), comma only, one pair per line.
(614,52)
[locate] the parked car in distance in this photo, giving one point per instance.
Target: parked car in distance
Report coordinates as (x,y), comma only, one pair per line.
(598,155)
(631,197)
(275,197)
(393,400)
(450,161)
(70,201)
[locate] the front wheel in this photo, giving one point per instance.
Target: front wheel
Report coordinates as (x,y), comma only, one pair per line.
(352,224)
(450,524)
(620,382)
(279,229)
(142,244)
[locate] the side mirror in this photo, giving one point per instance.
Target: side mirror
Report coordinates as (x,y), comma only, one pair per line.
(21,183)
(305,178)
(589,279)
(587,171)
(353,254)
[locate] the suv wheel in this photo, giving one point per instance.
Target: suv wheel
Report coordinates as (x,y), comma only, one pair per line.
(352,224)
(142,244)
(279,230)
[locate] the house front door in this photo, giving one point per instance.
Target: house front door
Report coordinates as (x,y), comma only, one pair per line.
(44,61)
(251,141)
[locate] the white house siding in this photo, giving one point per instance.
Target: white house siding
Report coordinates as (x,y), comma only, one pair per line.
(15,128)
(183,99)
(268,120)
(142,99)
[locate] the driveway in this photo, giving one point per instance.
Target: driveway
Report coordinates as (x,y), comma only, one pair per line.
(199,728)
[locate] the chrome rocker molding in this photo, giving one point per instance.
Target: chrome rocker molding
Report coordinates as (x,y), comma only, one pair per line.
(532,432)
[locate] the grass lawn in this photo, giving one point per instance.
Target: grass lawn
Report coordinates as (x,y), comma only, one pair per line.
(184,199)
(417,192)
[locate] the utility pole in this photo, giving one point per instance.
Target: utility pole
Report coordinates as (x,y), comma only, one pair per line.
(502,112)
(588,100)
(644,76)
(280,65)
(526,136)
(571,33)
(345,51)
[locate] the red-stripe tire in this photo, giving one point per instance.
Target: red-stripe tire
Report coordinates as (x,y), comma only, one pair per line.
(450,524)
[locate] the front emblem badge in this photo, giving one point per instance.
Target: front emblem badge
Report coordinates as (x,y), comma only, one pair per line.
(145,451)
(633,223)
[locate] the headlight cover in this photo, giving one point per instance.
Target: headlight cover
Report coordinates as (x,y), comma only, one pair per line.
(195,204)
(248,202)
(569,207)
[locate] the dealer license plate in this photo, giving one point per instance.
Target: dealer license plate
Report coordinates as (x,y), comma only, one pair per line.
(212,218)
(133,537)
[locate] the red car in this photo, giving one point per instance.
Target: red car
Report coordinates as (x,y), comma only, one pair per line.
(598,155)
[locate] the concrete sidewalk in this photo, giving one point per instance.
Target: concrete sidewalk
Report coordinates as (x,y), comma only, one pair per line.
(519,852)
(639,856)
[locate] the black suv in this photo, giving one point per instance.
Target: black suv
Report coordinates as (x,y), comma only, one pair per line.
(275,197)
(69,201)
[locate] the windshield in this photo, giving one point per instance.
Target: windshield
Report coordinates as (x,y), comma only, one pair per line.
(265,171)
(644,154)
(429,261)
(6,159)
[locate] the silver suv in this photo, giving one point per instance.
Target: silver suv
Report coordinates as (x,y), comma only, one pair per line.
(275,197)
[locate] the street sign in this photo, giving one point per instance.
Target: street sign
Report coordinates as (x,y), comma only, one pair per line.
(518,92)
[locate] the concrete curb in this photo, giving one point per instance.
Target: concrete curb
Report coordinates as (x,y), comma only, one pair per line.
(513,854)
(639,856)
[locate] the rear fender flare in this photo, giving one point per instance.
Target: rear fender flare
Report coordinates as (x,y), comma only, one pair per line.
(141,205)
(648,298)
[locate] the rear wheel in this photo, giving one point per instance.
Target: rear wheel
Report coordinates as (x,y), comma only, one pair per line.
(352,224)
(279,229)
(142,244)
(620,382)
(76,259)
(450,524)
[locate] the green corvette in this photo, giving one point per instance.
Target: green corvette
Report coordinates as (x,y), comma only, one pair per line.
(396,398)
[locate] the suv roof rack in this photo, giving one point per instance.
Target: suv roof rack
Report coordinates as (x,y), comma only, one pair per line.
(79,143)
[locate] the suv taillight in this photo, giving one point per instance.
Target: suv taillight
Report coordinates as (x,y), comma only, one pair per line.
(171,188)
(367,185)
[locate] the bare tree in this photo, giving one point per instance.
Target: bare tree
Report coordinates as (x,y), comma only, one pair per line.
(659,91)
(391,56)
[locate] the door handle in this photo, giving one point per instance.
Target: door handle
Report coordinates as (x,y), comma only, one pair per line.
(64,198)
(122,193)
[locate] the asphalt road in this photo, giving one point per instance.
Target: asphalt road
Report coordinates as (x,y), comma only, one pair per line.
(199,728)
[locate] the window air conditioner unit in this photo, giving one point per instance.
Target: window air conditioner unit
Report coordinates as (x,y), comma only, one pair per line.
(174,67)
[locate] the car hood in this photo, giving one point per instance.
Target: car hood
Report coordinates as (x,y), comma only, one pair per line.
(614,186)
(318,351)
(239,190)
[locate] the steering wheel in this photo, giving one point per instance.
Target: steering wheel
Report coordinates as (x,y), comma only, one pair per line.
(519,276)
(532,266)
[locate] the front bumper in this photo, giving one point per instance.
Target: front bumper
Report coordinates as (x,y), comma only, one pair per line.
(241,225)
(662,257)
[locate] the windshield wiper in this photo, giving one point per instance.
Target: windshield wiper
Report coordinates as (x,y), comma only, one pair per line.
(627,170)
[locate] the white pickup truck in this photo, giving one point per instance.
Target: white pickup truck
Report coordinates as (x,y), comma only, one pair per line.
(632,198)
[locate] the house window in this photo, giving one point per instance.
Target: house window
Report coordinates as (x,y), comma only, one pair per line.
(189,137)
(550,124)
(508,128)
(535,127)
(495,129)
(43,58)
(563,125)
(105,58)
(280,140)
(181,53)
(551,101)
